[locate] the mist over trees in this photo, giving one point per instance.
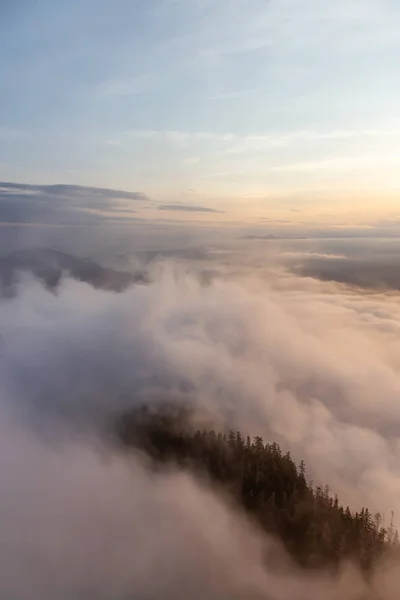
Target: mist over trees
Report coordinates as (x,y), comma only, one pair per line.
(273,358)
(316,529)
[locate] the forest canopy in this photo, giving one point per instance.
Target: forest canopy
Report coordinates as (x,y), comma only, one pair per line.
(264,481)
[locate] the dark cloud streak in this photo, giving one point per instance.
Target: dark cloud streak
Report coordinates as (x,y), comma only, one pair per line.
(72,191)
(187,208)
(66,204)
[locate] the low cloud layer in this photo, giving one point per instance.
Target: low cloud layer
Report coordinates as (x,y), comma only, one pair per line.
(80,523)
(309,364)
(312,365)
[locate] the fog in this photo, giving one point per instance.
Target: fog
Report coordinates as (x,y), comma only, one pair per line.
(310,364)
(79,523)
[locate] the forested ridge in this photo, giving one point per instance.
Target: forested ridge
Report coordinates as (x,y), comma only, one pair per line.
(316,529)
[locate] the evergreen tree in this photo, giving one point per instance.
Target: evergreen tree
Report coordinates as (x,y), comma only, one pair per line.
(268,484)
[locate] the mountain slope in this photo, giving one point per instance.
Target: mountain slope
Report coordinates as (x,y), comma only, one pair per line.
(316,530)
(49,266)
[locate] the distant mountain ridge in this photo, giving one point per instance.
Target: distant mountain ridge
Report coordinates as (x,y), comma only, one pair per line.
(50,266)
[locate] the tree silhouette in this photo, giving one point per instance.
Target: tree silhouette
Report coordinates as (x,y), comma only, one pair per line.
(315,528)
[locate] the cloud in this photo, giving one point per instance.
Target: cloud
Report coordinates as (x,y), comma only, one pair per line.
(266,236)
(342,163)
(65,204)
(310,364)
(187,208)
(72,192)
(80,521)
(313,255)
(180,136)
(261,141)
(313,365)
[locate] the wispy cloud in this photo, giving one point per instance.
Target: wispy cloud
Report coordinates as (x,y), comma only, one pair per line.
(314,255)
(187,208)
(71,192)
(242,142)
(65,204)
(242,86)
(342,163)
(177,136)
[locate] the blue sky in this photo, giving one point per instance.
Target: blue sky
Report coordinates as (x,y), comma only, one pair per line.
(233,103)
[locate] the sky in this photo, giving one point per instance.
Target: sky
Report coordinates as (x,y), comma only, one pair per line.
(240,106)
